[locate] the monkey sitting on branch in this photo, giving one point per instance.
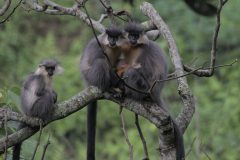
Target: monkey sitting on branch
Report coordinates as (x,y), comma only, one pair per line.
(143,64)
(37,95)
(97,65)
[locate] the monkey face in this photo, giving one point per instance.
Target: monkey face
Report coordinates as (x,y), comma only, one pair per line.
(50,67)
(133,38)
(50,70)
(112,40)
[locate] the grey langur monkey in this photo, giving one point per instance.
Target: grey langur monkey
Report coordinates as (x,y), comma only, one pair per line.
(98,70)
(143,64)
(37,95)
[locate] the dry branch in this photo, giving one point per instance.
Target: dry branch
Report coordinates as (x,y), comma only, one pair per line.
(209,72)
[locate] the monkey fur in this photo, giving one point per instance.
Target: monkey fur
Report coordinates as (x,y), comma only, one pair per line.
(143,64)
(98,71)
(37,95)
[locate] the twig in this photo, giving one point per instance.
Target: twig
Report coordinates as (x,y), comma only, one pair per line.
(6,135)
(38,142)
(45,147)
(102,17)
(191,72)
(5,7)
(190,149)
(126,137)
(206,155)
(209,72)
(11,12)
(142,138)
(105,4)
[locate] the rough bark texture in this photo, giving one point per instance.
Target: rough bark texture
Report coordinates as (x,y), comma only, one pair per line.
(184,118)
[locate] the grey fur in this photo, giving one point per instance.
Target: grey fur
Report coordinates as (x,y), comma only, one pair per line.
(153,67)
(37,95)
(95,67)
(97,71)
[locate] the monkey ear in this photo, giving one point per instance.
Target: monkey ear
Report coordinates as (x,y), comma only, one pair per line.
(59,70)
(143,39)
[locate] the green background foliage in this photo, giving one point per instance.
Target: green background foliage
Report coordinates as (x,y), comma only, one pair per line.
(28,37)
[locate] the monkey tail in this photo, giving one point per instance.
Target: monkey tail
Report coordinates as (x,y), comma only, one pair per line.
(179,143)
(180,152)
(91,130)
(16,151)
(17,147)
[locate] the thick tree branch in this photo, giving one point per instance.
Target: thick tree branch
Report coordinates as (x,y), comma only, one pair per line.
(62,110)
(14,116)
(146,109)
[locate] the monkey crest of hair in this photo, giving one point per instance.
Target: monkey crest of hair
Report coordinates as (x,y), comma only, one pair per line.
(134,27)
(49,63)
(113,31)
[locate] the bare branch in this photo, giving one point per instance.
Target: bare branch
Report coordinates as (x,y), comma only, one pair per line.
(5,7)
(142,138)
(45,147)
(56,9)
(189,73)
(14,9)
(191,146)
(126,137)
(38,142)
(209,72)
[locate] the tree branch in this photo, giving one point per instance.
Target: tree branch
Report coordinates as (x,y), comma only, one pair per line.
(146,109)
(209,72)
(184,118)
(5,7)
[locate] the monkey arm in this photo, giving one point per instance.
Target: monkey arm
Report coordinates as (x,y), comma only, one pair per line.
(54,95)
(43,106)
(135,79)
(40,88)
(98,74)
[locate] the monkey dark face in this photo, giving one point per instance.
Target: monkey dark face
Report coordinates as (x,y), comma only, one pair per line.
(134,33)
(133,38)
(114,34)
(50,70)
(112,40)
(51,67)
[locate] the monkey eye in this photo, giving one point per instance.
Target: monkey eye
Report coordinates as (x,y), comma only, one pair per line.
(50,68)
(133,36)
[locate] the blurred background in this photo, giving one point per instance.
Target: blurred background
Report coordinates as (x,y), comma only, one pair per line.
(28,37)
